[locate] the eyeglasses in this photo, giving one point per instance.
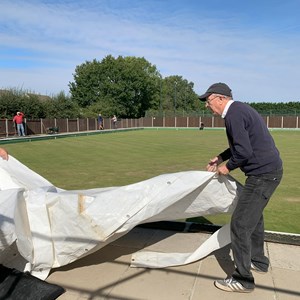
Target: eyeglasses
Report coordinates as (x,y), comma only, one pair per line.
(208,101)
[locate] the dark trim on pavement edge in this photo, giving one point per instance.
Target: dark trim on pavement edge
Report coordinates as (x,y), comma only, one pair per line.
(270,236)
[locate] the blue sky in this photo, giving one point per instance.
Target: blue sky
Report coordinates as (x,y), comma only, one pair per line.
(253,46)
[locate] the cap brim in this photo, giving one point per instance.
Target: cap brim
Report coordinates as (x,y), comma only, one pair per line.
(204,96)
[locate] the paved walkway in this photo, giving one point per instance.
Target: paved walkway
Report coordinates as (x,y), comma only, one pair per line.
(106,274)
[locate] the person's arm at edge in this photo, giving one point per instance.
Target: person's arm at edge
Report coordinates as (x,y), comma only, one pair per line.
(217,160)
(3,154)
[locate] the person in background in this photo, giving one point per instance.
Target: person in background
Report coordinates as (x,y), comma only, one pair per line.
(18,119)
(252,149)
(3,154)
(114,120)
(100,122)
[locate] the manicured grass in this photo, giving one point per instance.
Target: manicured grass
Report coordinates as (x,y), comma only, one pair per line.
(128,157)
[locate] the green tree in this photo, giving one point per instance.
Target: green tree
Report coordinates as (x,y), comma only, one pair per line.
(177,96)
(61,106)
(14,100)
(270,108)
(9,103)
(125,86)
(85,90)
(31,106)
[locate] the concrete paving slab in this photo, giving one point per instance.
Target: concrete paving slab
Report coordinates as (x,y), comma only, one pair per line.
(168,283)
(106,274)
(170,241)
(138,238)
(287,284)
(284,257)
(95,274)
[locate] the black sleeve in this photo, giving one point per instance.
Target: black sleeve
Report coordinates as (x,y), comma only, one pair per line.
(225,155)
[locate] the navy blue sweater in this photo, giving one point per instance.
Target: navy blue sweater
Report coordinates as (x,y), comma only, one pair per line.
(251,146)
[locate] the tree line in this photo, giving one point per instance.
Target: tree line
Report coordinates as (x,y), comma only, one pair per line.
(129,87)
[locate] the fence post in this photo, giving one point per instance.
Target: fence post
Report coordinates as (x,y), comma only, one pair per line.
(282,122)
(87,124)
(67,124)
(297,122)
(78,124)
(6,127)
(267,121)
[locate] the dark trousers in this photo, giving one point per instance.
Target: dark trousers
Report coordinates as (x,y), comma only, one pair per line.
(247,225)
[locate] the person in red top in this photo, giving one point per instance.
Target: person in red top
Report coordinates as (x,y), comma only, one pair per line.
(18,119)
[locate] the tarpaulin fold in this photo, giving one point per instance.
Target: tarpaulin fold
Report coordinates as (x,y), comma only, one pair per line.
(44,227)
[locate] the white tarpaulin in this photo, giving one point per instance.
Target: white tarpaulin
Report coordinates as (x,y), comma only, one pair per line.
(44,227)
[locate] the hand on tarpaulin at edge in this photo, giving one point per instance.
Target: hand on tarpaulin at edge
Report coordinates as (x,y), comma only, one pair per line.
(223,170)
(3,154)
(213,166)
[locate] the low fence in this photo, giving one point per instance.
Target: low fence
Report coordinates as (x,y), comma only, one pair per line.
(50,126)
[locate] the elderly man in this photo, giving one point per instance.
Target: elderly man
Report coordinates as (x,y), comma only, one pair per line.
(18,119)
(252,149)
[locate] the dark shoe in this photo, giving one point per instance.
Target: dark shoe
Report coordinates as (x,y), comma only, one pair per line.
(257,269)
(231,285)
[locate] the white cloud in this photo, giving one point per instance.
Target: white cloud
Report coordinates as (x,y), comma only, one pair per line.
(58,36)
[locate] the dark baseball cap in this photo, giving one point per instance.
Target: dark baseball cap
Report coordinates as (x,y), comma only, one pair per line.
(217,88)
